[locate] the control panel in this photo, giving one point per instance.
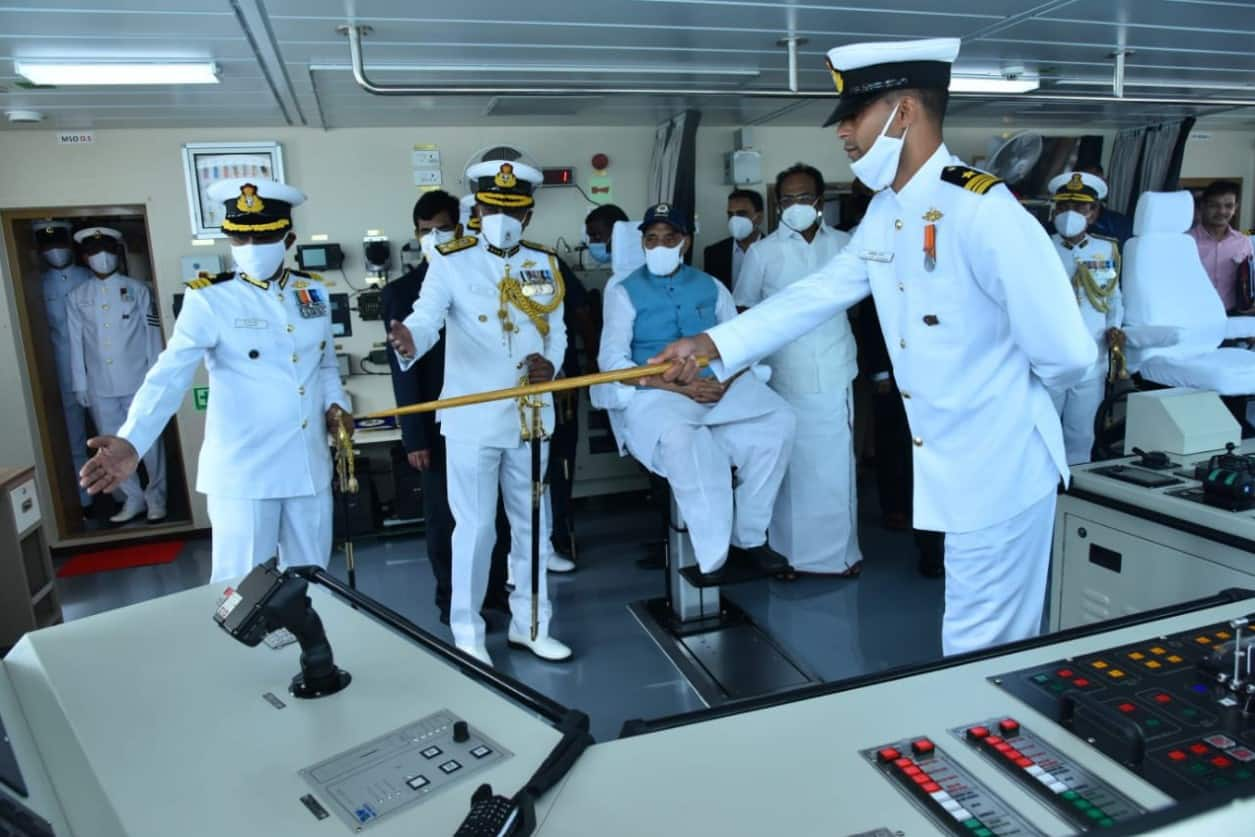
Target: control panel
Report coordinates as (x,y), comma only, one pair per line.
(401,769)
(1179,710)
(1077,795)
(946,791)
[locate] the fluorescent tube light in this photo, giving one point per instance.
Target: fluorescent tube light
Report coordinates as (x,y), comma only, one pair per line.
(63,74)
(992,84)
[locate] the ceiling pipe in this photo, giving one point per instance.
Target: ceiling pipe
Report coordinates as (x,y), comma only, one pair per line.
(355,32)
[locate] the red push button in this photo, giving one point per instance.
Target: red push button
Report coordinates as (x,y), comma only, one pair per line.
(931,787)
(1009,726)
(887,755)
(1065,673)
(1163,698)
(993,741)
(921,779)
(923,747)
(977,733)
(1198,749)
(1080,683)
(1222,762)
(1127,708)
(1177,755)
(1002,747)
(903,763)
(1013,754)
(1024,762)
(912,770)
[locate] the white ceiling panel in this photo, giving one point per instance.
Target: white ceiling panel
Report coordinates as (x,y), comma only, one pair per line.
(282,61)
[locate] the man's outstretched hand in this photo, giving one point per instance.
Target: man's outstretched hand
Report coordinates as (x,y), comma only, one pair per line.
(115,460)
(401,339)
(683,355)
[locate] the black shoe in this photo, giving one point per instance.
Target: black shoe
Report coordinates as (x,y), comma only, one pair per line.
(713,578)
(762,556)
(562,546)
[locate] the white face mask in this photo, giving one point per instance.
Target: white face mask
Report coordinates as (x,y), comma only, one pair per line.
(104,263)
(799,216)
(879,165)
(259,261)
(501,230)
(1070,223)
(663,261)
(740,227)
(432,239)
(57,256)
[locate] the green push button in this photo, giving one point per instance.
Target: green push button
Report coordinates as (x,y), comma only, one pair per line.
(1095,814)
(1057,687)
(1152,723)
(983,832)
(1199,769)
(972,824)
(1082,804)
(1219,782)
(1242,774)
(1041,678)
(1106,823)
(1070,795)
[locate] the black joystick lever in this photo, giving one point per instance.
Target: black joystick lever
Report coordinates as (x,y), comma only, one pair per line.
(461,732)
(1153,459)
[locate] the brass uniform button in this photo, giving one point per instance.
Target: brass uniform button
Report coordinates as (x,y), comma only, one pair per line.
(322,344)
(483,318)
(919,443)
(907,396)
(281,297)
(104,308)
(902,343)
(109,362)
(300,391)
(901,287)
(294,358)
(304,424)
(291,328)
(897,225)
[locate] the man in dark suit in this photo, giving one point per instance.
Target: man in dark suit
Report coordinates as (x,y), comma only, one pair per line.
(894,468)
(435,223)
(723,259)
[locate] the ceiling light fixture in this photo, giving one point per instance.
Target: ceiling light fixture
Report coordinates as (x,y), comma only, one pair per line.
(63,74)
(993,84)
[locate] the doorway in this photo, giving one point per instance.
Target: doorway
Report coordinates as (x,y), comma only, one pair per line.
(42,291)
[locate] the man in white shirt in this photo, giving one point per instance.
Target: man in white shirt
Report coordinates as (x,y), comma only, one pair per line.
(115,339)
(815,522)
(979,319)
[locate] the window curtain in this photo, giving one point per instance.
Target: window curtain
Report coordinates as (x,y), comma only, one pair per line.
(1126,153)
(1146,160)
(673,166)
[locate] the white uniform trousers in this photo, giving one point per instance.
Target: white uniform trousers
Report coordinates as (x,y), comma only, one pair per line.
(996,580)
(1077,407)
(109,413)
(76,433)
(475,475)
(696,459)
(815,522)
(249,532)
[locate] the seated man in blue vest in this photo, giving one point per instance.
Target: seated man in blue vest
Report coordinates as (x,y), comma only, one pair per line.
(692,435)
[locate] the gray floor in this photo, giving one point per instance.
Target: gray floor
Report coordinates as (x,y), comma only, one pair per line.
(888,617)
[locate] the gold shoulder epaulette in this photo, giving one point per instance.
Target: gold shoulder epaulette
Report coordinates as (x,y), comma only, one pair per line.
(457,245)
(204,280)
(973,180)
(1104,238)
(542,248)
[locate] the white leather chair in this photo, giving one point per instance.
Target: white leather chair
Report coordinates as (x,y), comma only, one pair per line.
(1167,290)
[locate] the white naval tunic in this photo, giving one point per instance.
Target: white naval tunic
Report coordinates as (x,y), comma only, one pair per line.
(694,446)
(57,285)
(974,343)
(1078,404)
(272,377)
(815,521)
(115,338)
(486,452)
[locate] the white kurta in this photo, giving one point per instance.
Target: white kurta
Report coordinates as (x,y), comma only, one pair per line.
(974,342)
(486,453)
(815,522)
(694,446)
(1078,404)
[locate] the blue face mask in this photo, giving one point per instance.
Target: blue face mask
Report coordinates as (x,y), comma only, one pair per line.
(600,251)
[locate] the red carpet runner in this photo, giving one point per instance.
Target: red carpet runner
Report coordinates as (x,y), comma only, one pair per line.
(120,558)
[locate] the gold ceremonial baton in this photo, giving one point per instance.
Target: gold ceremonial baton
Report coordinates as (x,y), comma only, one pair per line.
(557,385)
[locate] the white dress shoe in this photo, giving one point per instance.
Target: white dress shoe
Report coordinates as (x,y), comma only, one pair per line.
(131,509)
(156,513)
(479,652)
(545,647)
(558,564)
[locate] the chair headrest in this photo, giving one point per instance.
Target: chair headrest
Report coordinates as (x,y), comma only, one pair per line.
(626,251)
(1163,212)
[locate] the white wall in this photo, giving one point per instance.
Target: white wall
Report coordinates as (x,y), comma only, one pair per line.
(359,179)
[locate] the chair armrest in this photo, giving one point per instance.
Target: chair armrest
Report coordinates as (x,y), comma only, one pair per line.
(1151,336)
(1237,328)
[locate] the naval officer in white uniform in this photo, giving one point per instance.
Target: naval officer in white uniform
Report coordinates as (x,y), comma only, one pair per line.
(815,521)
(979,319)
(59,279)
(499,300)
(693,435)
(1093,263)
(264,334)
(115,338)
